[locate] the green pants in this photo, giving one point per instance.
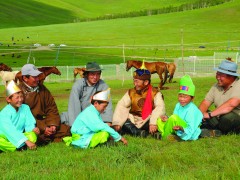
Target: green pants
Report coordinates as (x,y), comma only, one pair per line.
(98,138)
(166,128)
(6,145)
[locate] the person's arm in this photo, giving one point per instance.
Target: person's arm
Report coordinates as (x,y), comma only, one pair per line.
(203,107)
(226,107)
(74,104)
(50,108)
(121,112)
(158,111)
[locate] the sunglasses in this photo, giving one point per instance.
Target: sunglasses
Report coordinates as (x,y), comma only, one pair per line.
(141,72)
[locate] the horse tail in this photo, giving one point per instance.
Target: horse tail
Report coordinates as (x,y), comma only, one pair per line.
(165,74)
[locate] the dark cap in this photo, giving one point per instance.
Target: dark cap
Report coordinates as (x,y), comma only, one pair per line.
(142,74)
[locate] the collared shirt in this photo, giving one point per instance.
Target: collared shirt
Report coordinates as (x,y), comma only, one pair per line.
(218,95)
(32,89)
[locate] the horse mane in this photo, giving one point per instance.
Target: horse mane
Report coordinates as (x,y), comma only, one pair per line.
(46,68)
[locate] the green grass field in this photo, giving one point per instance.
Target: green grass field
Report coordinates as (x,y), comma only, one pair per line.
(158,37)
(209,158)
(162,37)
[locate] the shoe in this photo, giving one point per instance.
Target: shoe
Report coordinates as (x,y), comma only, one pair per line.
(23,148)
(173,138)
(143,134)
(157,135)
(210,133)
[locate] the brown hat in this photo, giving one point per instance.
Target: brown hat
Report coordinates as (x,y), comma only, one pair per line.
(142,74)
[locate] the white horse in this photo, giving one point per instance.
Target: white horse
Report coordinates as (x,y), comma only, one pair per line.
(8,76)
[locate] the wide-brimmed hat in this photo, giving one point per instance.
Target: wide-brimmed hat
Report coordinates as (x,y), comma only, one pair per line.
(92,67)
(186,86)
(30,69)
(228,67)
(12,88)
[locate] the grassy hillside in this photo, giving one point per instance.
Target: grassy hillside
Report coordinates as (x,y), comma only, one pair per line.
(41,12)
(146,37)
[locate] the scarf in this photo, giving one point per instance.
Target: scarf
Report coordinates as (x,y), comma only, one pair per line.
(147,107)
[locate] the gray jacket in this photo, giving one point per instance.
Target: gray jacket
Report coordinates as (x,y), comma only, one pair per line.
(80,99)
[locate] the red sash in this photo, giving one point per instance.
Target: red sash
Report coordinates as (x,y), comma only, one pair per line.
(147,107)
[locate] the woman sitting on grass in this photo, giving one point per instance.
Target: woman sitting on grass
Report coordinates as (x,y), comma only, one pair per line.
(16,118)
(89,130)
(185,122)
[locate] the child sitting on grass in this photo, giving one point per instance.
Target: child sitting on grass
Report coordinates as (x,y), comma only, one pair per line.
(89,130)
(17,124)
(185,122)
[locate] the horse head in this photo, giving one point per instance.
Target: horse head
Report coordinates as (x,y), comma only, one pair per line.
(4,67)
(128,65)
(55,70)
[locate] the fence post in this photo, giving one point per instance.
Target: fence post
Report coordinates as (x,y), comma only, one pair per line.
(214,59)
(67,73)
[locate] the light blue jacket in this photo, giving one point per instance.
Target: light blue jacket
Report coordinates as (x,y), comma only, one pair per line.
(13,123)
(87,124)
(193,117)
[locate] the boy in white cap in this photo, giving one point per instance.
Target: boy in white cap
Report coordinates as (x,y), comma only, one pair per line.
(89,130)
(185,122)
(16,118)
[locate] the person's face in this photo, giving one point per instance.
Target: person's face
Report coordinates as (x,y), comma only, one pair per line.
(32,81)
(101,107)
(15,100)
(140,84)
(184,99)
(93,77)
(224,80)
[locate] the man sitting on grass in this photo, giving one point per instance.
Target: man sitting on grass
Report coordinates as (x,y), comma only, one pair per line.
(43,107)
(17,125)
(225,96)
(138,110)
(89,130)
(185,122)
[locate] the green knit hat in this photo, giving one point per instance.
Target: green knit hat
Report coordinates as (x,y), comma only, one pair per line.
(186,86)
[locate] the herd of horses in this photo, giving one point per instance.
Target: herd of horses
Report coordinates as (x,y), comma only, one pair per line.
(164,70)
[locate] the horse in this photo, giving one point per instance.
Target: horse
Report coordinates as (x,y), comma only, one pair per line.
(153,67)
(8,76)
(79,71)
(4,67)
(171,67)
(45,72)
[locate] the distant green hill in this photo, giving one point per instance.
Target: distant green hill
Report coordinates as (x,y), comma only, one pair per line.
(158,36)
(14,13)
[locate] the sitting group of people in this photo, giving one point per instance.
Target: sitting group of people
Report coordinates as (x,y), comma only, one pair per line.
(31,117)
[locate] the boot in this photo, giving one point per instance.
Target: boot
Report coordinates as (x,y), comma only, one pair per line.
(129,128)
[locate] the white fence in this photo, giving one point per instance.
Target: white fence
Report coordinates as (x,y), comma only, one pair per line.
(193,65)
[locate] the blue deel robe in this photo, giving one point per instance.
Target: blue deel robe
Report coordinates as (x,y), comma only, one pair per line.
(87,123)
(193,117)
(13,123)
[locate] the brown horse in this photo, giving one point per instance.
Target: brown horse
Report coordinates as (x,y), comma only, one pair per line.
(79,71)
(171,68)
(153,67)
(45,72)
(4,67)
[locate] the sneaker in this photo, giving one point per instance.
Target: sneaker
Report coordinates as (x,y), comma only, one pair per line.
(210,133)
(173,138)
(157,135)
